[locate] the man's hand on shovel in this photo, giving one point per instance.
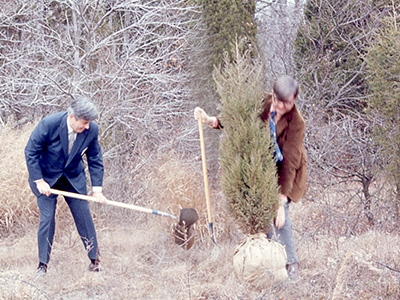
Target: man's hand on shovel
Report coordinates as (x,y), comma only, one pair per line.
(43,187)
(205,119)
(100,197)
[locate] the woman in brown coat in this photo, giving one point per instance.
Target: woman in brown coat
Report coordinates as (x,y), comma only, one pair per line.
(287,127)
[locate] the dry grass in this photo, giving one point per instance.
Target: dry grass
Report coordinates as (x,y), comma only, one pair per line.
(17,203)
(141,261)
(180,184)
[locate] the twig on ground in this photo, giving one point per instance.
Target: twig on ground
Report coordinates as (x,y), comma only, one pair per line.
(31,284)
(386,266)
(342,267)
(109,249)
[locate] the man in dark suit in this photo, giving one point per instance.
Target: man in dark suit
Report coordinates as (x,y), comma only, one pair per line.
(54,159)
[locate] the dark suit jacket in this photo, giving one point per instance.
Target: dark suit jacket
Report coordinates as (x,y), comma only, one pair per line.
(47,157)
(292,171)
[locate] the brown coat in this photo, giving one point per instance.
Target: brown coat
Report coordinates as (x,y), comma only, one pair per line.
(292,171)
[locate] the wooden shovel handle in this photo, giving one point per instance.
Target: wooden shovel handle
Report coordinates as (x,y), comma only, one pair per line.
(205,172)
(114,203)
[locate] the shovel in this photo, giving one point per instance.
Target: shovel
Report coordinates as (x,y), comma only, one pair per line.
(205,173)
(183,231)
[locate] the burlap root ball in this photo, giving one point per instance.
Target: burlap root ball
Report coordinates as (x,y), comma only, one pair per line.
(260,261)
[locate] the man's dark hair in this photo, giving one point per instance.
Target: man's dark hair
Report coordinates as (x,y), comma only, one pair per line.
(83,108)
(286,86)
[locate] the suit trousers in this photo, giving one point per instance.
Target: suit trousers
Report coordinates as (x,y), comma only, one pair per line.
(285,237)
(82,217)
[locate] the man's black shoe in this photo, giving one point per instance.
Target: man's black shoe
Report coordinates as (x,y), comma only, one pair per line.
(41,270)
(95,266)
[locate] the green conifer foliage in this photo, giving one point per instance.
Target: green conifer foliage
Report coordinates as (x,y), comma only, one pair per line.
(228,20)
(329,52)
(383,63)
(248,172)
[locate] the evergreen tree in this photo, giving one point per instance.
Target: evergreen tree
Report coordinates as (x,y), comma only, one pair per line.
(248,176)
(227,21)
(330,49)
(221,23)
(383,63)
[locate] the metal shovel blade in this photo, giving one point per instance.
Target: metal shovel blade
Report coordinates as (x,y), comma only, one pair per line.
(189,216)
(183,232)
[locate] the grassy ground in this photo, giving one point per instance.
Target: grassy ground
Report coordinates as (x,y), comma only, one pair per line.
(141,260)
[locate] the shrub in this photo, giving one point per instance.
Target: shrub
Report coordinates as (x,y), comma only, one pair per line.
(248,178)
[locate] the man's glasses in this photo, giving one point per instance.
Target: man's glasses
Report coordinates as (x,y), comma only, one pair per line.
(286,103)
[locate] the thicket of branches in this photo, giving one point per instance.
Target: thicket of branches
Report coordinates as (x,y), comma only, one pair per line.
(276,32)
(330,50)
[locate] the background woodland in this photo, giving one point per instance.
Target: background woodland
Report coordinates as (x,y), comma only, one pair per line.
(147,64)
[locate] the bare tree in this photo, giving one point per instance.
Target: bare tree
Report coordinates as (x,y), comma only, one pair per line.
(277,29)
(342,152)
